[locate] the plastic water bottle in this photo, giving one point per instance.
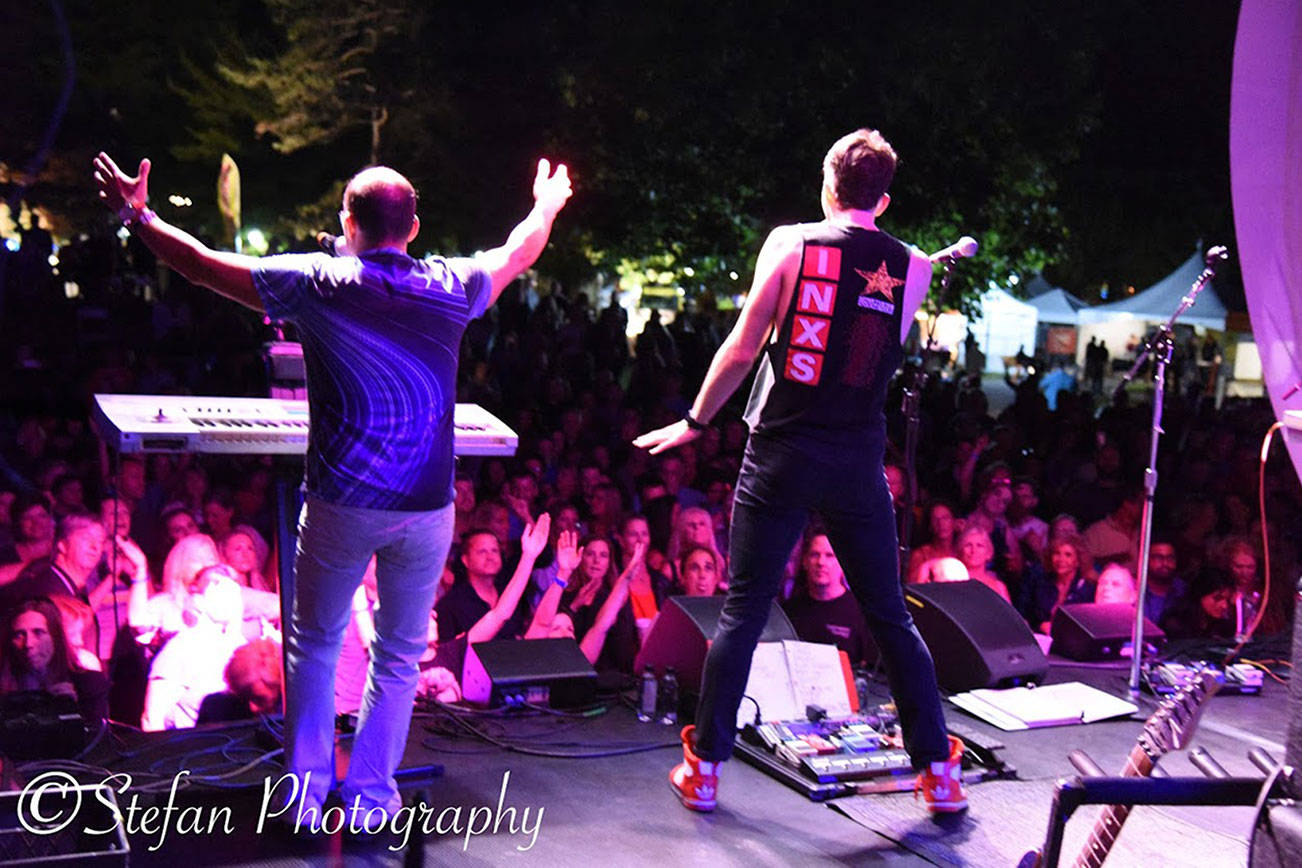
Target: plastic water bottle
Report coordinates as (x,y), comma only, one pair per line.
(646,696)
(667,697)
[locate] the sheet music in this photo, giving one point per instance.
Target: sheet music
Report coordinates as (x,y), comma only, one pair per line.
(1050,705)
(787,676)
(769,685)
(817,677)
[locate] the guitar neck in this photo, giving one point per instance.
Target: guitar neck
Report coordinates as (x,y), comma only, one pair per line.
(1108,825)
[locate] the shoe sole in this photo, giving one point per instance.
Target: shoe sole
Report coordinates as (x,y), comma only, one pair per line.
(947,807)
(701,805)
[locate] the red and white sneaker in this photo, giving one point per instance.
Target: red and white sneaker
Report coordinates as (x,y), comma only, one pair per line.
(942,784)
(695,781)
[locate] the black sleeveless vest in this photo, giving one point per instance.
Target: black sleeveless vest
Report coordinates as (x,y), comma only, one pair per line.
(838,346)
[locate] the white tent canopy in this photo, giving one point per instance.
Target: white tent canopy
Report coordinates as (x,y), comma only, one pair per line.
(1006,325)
(1057,306)
(1159,301)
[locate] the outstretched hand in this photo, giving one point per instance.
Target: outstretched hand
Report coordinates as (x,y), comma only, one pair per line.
(534,538)
(666,438)
(116,188)
(130,552)
(551,190)
(568,553)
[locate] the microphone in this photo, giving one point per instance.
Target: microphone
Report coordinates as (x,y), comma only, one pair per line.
(327,242)
(960,249)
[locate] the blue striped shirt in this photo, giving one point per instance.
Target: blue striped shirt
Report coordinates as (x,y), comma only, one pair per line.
(381,334)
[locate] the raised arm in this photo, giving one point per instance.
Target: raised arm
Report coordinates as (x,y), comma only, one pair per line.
(138,615)
(526,242)
(228,274)
(917,282)
(775,275)
(532,542)
(567,561)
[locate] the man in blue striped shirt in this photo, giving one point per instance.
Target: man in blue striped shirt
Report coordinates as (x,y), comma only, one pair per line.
(381,333)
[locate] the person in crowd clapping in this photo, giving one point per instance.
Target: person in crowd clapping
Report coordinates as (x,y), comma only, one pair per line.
(193,662)
(162,615)
(592,623)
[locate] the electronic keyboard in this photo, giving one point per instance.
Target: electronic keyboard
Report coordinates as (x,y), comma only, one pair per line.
(253,426)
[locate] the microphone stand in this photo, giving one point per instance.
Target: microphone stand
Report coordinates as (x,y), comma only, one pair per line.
(915,383)
(1160,346)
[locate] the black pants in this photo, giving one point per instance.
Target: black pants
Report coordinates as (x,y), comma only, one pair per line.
(781,480)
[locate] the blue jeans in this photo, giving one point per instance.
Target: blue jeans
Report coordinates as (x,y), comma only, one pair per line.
(334,545)
(782,479)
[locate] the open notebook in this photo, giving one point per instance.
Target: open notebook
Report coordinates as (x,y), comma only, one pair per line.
(1050,705)
(787,676)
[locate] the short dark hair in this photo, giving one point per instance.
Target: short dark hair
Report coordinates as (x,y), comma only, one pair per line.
(471,533)
(25,501)
(382,204)
(73,522)
(861,166)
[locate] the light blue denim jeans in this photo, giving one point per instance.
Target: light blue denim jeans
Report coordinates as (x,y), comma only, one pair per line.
(334,545)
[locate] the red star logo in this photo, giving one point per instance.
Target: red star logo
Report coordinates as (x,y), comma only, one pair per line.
(879,282)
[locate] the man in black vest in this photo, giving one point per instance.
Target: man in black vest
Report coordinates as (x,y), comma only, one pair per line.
(838,297)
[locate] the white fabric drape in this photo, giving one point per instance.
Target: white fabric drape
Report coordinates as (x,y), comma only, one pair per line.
(1266,180)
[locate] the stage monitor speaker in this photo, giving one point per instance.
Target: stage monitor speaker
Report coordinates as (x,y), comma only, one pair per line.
(684,630)
(1097,631)
(975,637)
(1277,837)
(1293,744)
(536,671)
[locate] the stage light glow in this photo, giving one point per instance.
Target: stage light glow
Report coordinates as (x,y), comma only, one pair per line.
(689,271)
(1013,280)
(256,240)
(734,275)
(124,234)
(13,245)
(53,259)
(71,289)
(180,201)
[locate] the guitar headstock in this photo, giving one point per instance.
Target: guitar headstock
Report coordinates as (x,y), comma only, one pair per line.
(1173,724)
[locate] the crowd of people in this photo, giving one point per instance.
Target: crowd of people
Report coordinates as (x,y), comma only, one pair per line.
(147,586)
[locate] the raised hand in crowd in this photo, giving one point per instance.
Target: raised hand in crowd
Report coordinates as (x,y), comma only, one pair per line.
(535,536)
(532,542)
(568,554)
(568,557)
(132,560)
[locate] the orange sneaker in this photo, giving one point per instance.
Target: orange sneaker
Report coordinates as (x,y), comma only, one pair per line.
(942,783)
(694,780)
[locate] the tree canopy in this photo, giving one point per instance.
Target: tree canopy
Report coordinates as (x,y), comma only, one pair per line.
(1045,130)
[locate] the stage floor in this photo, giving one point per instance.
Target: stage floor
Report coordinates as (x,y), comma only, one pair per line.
(619,810)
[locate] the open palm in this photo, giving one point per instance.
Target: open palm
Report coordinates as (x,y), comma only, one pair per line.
(116,188)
